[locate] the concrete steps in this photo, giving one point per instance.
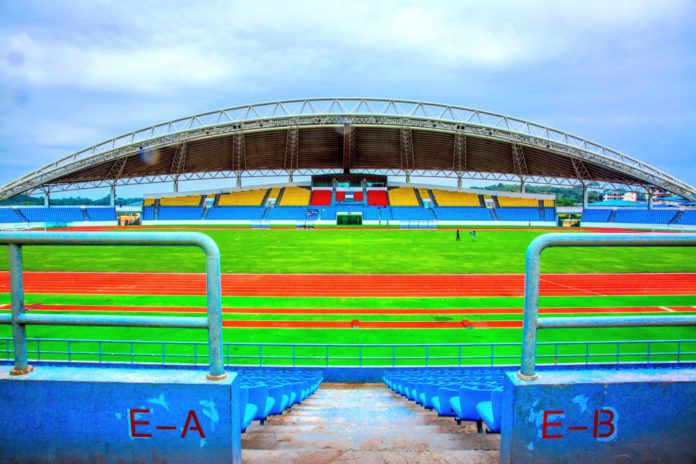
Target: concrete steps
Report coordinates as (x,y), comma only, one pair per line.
(365,423)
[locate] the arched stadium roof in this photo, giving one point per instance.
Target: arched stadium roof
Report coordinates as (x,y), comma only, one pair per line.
(325,135)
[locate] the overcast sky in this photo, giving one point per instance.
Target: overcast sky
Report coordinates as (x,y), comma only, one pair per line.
(620,73)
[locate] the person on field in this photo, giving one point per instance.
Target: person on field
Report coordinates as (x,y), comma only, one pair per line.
(458,237)
(473,235)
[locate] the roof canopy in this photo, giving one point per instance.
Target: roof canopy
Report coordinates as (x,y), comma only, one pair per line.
(317,136)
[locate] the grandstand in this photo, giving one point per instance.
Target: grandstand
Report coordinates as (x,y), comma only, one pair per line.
(367,140)
(398,205)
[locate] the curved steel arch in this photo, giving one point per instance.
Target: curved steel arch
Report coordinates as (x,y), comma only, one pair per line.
(357,111)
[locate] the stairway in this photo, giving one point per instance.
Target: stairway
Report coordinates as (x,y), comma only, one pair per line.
(612,216)
(364,423)
(677,217)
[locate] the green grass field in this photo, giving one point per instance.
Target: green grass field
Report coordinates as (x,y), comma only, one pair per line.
(360,251)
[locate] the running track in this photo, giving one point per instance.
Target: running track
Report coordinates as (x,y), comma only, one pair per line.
(355,285)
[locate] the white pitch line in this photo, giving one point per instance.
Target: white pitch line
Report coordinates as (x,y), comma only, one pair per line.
(666,309)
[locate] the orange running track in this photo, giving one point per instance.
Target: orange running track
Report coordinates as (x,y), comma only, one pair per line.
(350,311)
(351,285)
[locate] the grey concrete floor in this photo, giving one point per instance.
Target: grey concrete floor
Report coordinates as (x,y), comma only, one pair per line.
(364,423)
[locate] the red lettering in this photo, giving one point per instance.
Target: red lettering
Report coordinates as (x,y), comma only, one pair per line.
(196,427)
(546,424)
(609,422)
(133,423)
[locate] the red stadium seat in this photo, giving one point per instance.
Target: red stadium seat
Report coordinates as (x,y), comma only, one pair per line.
(377,198)
(358,196)
(320,198)
(340,196)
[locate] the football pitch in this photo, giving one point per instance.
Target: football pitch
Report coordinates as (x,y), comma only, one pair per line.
(292,286)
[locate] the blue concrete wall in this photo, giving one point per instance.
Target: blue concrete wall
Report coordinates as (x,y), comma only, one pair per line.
(600,416)
(78,414)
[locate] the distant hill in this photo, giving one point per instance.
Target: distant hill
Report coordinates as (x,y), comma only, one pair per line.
(27,200)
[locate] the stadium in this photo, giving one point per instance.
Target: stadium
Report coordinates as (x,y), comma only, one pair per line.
(349,274)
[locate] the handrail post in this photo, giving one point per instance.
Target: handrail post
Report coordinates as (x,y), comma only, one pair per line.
(214,297)
(531,312)
(18,319)
(19,331)
(531,294)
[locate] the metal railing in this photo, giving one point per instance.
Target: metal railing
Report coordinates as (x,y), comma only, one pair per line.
(353,355)
(19,319)
(531,293)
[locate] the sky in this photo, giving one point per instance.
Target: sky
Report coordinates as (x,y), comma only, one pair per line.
(621,73)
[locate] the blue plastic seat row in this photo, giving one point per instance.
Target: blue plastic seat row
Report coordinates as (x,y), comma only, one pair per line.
(465,395)
(265,393)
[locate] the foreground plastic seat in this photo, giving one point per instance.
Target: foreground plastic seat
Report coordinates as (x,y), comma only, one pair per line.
(491,411)
(441,402)
(247,410)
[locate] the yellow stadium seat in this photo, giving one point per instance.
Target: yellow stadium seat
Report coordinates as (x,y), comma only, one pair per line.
(450,198)
(243,198)
(516,202)
(403,196)
(549,204)
(295,196)
(424,193)
(149,202)
(275,191)
(191,200)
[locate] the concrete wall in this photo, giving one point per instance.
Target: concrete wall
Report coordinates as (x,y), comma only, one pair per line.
(84,414)
(600,416)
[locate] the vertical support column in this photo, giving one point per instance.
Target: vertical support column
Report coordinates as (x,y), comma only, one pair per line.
(19,331)
(585,195)
(348,147)
(176,185)
(649,196)
(523,186)
(112,195)
(47,198)
(239,179)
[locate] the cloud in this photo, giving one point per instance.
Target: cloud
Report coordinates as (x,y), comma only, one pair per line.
(162,49)
(87,70)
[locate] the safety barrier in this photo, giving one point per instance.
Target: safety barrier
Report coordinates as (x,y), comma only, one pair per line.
(19,319)
(531,294)
(353,355)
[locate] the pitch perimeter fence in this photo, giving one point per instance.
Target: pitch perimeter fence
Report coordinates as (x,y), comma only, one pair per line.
(352,355)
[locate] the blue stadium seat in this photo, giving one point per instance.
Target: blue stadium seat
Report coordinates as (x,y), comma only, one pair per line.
(288,213)
(411,213)
(595,215)
(238,213)
(8,216)
(518,214)
(688,218)
(148,213)
(270,392)
(644,216)
(101,214)
(491,410)
(454,213)
(54,214)
(175,213)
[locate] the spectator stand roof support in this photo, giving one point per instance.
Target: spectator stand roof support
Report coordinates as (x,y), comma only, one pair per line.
(391,137)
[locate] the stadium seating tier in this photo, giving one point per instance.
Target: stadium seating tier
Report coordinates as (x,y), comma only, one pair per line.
(295,196)
(403,196)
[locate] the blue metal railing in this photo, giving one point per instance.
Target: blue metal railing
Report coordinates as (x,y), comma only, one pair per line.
(531,293)
(19,319)
(354,355)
